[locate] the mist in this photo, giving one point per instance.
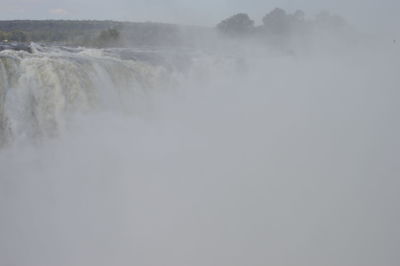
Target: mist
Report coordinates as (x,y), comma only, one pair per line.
(244,155)
(367,15)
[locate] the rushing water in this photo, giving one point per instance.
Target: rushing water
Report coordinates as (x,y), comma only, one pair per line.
(38,90)
(163,157)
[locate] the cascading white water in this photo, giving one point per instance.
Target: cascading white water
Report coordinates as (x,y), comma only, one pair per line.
(39,91)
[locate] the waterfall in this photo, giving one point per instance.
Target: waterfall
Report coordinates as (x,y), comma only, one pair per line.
(39,91)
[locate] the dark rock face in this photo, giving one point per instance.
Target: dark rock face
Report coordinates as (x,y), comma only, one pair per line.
(15,46)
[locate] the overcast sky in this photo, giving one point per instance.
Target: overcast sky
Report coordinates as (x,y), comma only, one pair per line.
(366,14)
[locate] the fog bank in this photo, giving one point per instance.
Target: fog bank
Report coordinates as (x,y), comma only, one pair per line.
(256,158)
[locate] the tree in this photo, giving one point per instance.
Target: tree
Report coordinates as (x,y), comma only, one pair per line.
(3,36)
(276,21)
(237,25)
(17,36)
(299,15)
(108,37)
(110,34)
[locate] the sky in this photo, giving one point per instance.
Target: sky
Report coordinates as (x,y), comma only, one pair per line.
(368,15)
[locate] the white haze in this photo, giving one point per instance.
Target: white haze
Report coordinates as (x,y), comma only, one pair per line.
(294,161)
(368,15)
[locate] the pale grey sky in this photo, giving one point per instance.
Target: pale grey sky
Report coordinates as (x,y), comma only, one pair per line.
(369,15)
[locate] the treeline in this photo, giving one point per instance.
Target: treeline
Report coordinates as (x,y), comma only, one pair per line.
(91,32)
(17,36)
(279,23)
(276,25)
(53,30)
